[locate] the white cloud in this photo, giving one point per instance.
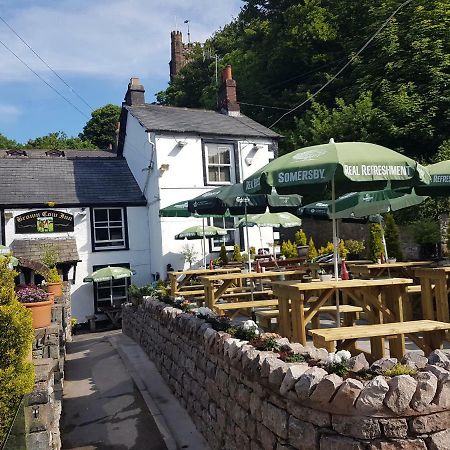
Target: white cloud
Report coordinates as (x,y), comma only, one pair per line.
(9,113)
(105,38)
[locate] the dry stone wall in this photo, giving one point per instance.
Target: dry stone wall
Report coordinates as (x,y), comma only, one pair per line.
(242,398)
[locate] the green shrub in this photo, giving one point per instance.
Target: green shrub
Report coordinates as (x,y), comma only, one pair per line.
(427,234)
(392,238)
(355,248)
(375,242)
(223,256)
(312,251)
(289,249)
(52,276)
(16,337)
(237,253)
(300,237)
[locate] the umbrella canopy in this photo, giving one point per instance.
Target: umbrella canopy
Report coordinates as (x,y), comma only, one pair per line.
(237,202)
(275,220)
(107,274)
(439,185)
(180,209)
(362,204)
(198,232)
(353,166)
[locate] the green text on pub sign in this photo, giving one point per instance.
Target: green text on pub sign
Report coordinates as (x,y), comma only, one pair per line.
(43,221)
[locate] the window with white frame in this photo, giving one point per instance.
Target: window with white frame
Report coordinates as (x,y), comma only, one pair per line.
(232,236)
(109,229)
(219,163)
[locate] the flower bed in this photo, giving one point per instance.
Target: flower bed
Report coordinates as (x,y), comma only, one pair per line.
(255,396)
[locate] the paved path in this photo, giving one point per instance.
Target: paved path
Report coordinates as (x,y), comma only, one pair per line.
(102,408)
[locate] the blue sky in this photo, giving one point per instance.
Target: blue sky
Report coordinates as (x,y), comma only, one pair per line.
(96,46)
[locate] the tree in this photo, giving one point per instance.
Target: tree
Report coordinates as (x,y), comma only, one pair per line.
(391,235)
(58,141)
(312,251)
(6,143)
(376,248)
(101,128)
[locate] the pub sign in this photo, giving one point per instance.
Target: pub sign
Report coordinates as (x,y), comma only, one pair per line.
(43,221)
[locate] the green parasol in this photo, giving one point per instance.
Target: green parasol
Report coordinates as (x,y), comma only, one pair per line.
(274,220)
(108,274)
(362,204)
(198,232)
(440,180)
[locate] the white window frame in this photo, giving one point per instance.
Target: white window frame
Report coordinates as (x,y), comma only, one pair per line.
(236,236)
(108,226)
(232,165)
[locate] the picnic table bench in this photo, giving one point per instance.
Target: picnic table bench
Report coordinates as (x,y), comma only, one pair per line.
(394,269)
(433,335)
(237,307)
(350,311)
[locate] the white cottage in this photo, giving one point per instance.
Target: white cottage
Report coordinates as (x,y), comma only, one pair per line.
(84,204)
(176,154)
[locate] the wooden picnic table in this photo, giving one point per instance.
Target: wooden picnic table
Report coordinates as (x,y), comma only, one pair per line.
(314,267)
(381,300)
(393,269)
(180,279)
(435,286)
(236,281)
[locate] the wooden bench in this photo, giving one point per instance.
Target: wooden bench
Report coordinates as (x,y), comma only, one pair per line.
(265,316)
(236,306)
(433,335)
(410,309)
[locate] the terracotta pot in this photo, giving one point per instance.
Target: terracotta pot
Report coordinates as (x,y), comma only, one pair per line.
(51,296)
(41,313)
(55,288)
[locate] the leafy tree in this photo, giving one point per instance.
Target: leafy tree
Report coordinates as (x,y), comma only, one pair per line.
(391,235)
(58,141)
(101,128)
(289,249)
(300,237)
(312,251)
(237,256)
(6,143)
(223,256)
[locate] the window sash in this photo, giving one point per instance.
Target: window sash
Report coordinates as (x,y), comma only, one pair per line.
(111,226)
(219,163)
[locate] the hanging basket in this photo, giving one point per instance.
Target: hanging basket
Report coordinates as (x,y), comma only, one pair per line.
(41,313)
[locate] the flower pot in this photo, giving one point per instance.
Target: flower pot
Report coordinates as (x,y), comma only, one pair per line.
(51,296)
(302,250)
(55,288)
(325,277)
(41,313)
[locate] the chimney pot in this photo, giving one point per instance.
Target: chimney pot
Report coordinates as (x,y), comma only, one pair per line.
(135,93)
(227,94)
(227,73)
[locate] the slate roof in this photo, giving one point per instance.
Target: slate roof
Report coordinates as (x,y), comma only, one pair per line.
(34,181)
(33,249)
(69,154)
(198,121)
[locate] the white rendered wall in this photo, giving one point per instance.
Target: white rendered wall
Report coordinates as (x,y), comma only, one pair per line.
(182,180)
(137,255)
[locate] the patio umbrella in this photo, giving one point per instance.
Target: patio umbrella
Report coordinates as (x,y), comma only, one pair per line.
(362,204)
(201,232)
(234,200)
(108,274)
(274,220)
(439,185)
(340,167)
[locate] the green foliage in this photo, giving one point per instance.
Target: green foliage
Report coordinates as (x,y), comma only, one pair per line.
(252,251)
(399,369)
(355,247)
(50,255)
(293,358)
(223,256)
(58,141)
(52,276)
(237,253)
(265,343)
(426,232)
(242,333)
(329,248)
(343,250)
(6,143)
(339,368)
(289,249)
(312,251)
(189,253)
(391,235)
(101,128)
(300,237)
(16,337)
(376,248)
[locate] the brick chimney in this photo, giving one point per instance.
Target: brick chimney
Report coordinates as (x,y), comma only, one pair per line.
(135,94)
(227,94)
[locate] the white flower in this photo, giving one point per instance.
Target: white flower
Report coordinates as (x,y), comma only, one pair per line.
(334,358)
(179,299)
(249,325)
(204,311)
(345,355)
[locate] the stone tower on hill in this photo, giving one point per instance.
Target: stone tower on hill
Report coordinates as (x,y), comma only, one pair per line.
(179,53)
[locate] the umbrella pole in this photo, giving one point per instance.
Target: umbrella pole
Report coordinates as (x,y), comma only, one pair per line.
(111,291)
(260,237)
(204,244)
(273,240)
(248,260)
(336,249)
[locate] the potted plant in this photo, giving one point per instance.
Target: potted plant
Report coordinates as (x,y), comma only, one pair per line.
(52,278)
(38,302)
(301,242)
